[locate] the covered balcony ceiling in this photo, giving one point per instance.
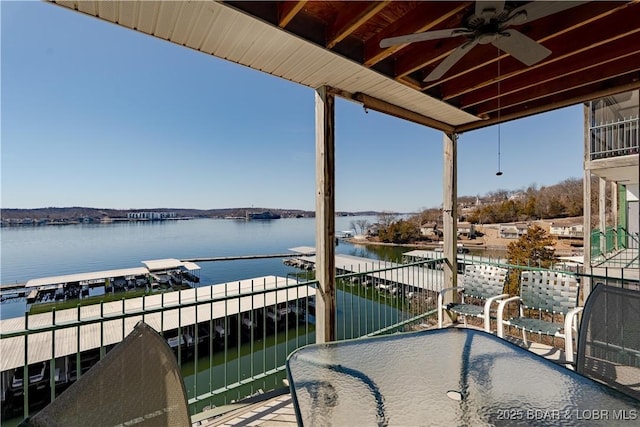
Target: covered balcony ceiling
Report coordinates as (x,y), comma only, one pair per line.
(580,51)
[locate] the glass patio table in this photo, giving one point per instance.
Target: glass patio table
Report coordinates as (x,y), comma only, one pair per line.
(445,377)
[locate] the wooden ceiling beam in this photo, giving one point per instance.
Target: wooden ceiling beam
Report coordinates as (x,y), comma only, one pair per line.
(477,69)
(426,16)
(611,71)
(402,113)
(580,63)
(349,21)
(577,96)
(287,10)
(593,90)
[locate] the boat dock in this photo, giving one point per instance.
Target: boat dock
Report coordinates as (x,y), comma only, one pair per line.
(463,258)
(168,271)
(156,310)
(394,276)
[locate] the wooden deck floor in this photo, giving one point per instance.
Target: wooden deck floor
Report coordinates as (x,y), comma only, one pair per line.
(274,412)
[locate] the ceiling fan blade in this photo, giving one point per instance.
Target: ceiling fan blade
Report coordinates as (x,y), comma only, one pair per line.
(493,7)
(450,60)
(539,9)
(521,47)
(428,35)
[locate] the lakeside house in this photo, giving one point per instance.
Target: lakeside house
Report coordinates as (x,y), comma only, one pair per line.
(431,231)
(571,231)
(466,229)
(512,231)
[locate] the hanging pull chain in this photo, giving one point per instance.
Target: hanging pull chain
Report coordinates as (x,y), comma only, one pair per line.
(499,170)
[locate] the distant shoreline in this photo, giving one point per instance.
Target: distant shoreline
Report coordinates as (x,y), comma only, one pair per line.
(77,215)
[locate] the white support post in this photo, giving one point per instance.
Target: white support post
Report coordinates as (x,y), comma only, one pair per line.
(586,239)
(325,217)
(586,207)
(450,213)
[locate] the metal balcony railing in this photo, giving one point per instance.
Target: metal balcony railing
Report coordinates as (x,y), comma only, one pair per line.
(231,341)
(616,247)
(615,139)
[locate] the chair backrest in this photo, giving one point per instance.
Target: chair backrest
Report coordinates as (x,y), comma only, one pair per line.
(609,338)
(483,280)
(547,290)
(137,382)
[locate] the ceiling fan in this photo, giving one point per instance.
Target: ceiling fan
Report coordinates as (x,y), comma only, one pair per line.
(489,24)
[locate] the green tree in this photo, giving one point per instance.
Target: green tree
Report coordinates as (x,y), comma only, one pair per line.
(535,248)
(401,231)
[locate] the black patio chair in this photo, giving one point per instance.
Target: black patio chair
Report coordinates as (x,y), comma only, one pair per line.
(609,338)
(137,383)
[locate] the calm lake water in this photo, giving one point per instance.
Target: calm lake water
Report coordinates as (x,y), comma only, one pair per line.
(33,252)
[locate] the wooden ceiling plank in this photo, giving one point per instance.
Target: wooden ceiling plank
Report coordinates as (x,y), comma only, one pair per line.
(593,90)
(588,59)
(578,23)
(347,23)
(287,10)
(533,85)
(612,70)
(413,22)
(564,100)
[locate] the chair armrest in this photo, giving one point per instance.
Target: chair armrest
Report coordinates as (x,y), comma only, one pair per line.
(487,310)
(568,332)
(440,298)
(445,290)
(501,306)
(570,317)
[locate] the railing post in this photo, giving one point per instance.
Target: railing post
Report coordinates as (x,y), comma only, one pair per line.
(325,216)
(602,213)
(25,368)
(450,212)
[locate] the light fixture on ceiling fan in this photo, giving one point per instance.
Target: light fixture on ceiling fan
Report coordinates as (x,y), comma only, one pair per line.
(488,24)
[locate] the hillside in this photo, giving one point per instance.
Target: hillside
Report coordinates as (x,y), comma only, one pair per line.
(69,215)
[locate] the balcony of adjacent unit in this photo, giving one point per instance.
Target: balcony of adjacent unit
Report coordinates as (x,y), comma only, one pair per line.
(614,137)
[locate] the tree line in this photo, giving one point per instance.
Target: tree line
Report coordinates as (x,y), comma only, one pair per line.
(528,204)
(556,201)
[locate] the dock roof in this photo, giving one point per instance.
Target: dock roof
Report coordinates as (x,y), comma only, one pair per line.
(306,250)
(40,344)
(84,277)
(466,258)
(422,278)
(168,264)
(150,266)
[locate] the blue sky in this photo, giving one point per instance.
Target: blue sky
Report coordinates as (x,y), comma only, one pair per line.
(100,116)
